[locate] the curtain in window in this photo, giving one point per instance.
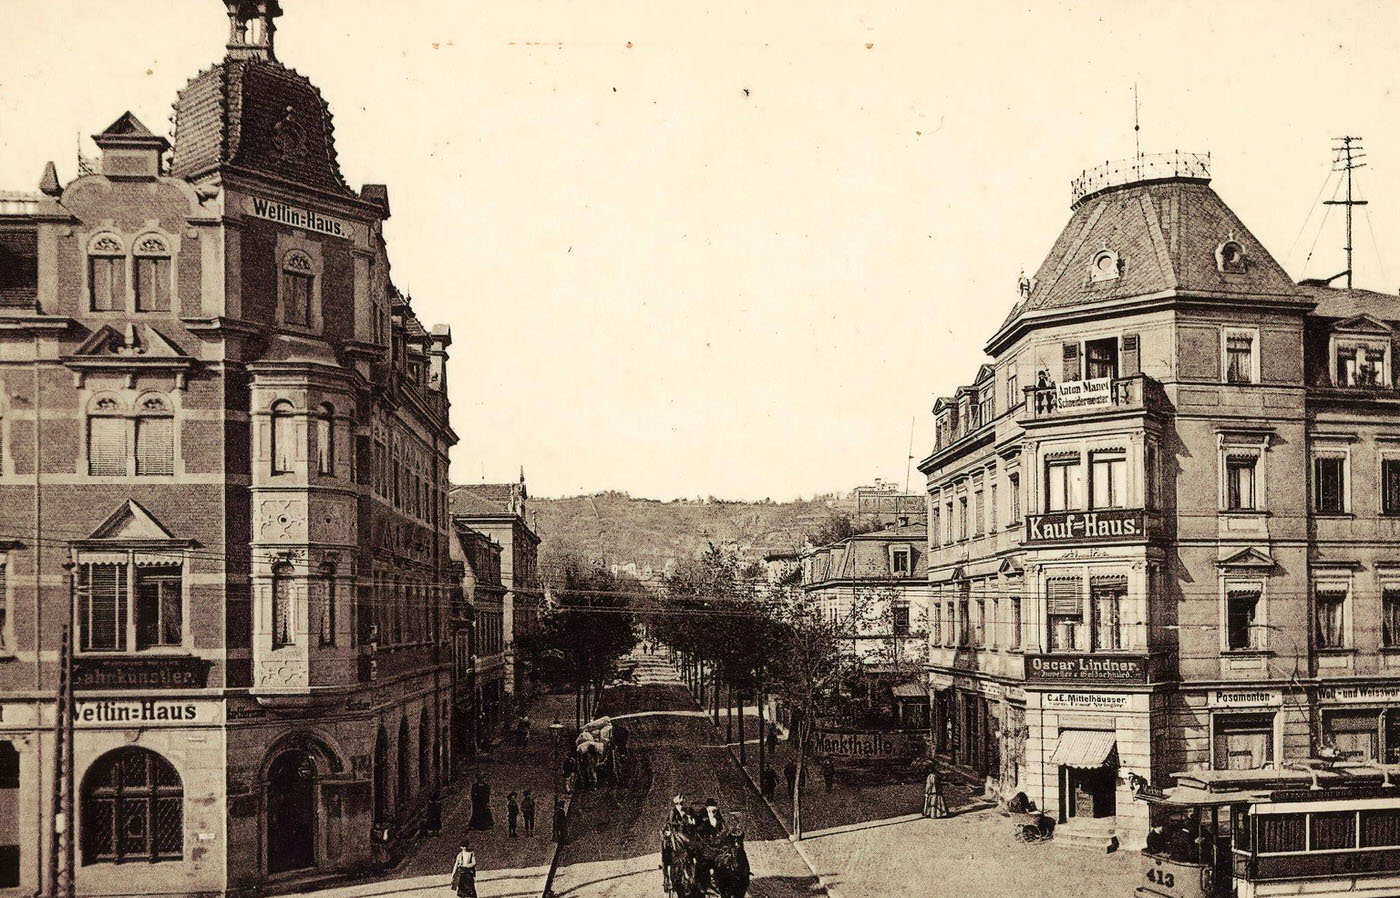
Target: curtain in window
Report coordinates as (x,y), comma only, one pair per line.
(1282,832)
(1328,471)
(155,446)
(1330,633)
(282,606)
(1239,356)
(102,604)
(1065,604)
(105,282)
(1390,617)
(1240,610)
(1109,600)
(283,440)
(1243,741)
(107,446)
(1239,482)
(1380,828)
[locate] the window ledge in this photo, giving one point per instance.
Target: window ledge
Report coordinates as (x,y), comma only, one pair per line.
(1389,650)
(1333,515)
(1338,650)
(1247,653)
(1243,513)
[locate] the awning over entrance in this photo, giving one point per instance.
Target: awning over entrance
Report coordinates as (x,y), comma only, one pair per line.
(1085,749)
(910,690)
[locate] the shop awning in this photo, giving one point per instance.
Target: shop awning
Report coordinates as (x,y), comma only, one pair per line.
(910,690)
(1085,749)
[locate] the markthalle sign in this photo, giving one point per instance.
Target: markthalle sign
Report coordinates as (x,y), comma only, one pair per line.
(866,745)
(1103,525)
(1086,669)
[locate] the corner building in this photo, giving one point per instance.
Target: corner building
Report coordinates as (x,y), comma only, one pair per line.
(1163,517)
(223,460)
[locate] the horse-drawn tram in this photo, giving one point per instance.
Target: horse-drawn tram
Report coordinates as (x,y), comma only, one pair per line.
(1311,828)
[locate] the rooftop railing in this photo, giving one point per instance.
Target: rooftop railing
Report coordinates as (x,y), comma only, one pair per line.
(1146,167)
(15,203)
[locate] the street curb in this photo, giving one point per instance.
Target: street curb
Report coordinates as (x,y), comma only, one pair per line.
(554,854)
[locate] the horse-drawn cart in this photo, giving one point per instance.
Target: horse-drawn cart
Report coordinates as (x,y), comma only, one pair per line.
(701,862)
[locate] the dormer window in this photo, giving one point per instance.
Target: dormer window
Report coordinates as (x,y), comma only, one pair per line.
(1106,266)
(901,561)
(1229,257)
(1363,363)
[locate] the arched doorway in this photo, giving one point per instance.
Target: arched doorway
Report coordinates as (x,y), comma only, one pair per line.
(405,768)
(291,812)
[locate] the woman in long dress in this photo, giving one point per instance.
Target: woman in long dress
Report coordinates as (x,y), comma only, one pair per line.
(935,805)
(464,871)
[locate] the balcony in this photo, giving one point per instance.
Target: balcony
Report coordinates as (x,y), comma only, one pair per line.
(1092,397)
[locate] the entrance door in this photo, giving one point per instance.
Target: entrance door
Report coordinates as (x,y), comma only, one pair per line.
(291,813)
(1091,792)
(9,816)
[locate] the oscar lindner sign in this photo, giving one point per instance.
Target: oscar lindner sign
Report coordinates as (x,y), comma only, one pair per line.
(1106,525)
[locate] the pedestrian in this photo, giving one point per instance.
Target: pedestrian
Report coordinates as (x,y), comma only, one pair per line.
(828,773)
(432,818)
(464,871)
(770,782)
(512,813)
(772,739)
(481,804)
(934,804)
(527,811)
(561,820)
(790,774)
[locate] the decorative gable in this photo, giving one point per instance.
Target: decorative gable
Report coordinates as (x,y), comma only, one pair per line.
(132,523)
(1248,558)
(136,348)
(1362,324)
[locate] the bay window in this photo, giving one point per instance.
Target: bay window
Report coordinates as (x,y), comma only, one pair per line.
(1062,482)
(1065,612)
(1108,597)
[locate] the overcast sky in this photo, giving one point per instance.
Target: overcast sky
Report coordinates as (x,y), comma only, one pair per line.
(736,249)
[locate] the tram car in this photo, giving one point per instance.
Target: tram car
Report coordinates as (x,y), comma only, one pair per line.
(700,859)
(1309,828)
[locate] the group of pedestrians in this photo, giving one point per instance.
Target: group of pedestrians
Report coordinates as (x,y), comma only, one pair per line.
(520,813)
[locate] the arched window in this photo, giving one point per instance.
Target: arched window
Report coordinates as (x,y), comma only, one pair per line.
(282,631)
(132,808)
(405,759)
(106,273)
(155,435)
(327,603)
(152,266)
(107,442)
(283,437)
(425,746)
(298,281)
(325,440)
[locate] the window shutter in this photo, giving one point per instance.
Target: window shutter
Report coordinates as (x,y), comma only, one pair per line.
(152,284)
(1071,366)
(1129,363)
(104,620)
(107,447)
(155,446)
(1064,597)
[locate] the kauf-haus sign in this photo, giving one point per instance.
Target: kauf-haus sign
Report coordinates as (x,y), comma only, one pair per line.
(1104,525)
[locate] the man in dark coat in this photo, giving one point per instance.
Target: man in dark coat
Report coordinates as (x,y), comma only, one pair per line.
(770,782)
(481,804)
(790,774)
(561,820)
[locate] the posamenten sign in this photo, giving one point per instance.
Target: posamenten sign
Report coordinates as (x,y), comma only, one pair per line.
(1085,669)
(1244,698)
(870,746)
(1104,525)
(1077,394)
(306,219)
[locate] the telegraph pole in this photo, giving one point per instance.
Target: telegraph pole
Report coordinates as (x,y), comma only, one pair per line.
(1349,152)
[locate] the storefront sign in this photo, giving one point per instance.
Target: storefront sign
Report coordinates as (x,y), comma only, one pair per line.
(990,690)
(1081,394)
(1085,701)
(1104,525)
(870,746)
(307,220)
(1359,694)
(140,673)
(246,713)
(1244,698)
(145,712)
(1086,669)
(18,714)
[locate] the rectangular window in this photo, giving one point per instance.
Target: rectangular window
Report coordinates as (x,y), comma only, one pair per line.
(979,632)
(1062,482)
(936,625)
(152,284)
(1239,357)
(1013,392)
(1380,828)
(899,562)
(979,503)
(105,283)
(1241,612)
(159,607)
(1015,622)
(950,632)
(1331,626)
(284,430)
(935,524)
(1239,483)
(1329,484)
(1108,478)
(1279,833)
(107,447)
(102,601)
(155,446)
(1361,365)
(948,518)
(296,288)
(1390,618)
(901,619)
(1065,610)
(1101,358)
(1130,356)
(1013,486)
(962,517)
(1355,734)
(1109,599)
(1390,486)
(282,599)
(1151,488)
(992,509)
(328,615)
(1244,742)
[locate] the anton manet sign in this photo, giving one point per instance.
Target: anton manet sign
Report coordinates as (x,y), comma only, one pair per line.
(1095,392)
(1105,525)
(298,217)
(1085,669)
(869,746)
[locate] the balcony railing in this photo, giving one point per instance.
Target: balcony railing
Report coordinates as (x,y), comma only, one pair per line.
(1095,395)
(1145,167)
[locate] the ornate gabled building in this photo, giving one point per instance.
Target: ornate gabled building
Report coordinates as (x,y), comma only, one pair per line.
(223,463)
(1163,516)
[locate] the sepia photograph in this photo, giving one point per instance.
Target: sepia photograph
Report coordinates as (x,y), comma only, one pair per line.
(702,449)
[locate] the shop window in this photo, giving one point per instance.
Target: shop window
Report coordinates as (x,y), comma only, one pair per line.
(132,809)
(106,274)
(1243,742)
(325,441)
(159,607)
(1354,734)
(1390,617)
(1240,483)
(1065,610)
(1329,483)
(1108,596)
(298,282)
(1108,479)
(1242,606)
(1331,616)
(283,437)
(1062,483)
(1101,358)
(282,603)
(1280,833)
(1241,361)
(152,266)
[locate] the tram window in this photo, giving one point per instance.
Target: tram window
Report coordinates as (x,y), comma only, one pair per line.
(1177,835)
(1380,828)
(1333,831)
(1282,832)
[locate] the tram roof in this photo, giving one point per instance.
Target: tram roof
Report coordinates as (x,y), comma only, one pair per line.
(1196,788)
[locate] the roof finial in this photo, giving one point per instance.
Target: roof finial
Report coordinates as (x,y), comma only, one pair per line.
(251,28)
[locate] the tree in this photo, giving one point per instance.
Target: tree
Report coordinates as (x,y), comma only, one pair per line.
(839,526)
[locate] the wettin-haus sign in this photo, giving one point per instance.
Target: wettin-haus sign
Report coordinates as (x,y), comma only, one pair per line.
(1104,525)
